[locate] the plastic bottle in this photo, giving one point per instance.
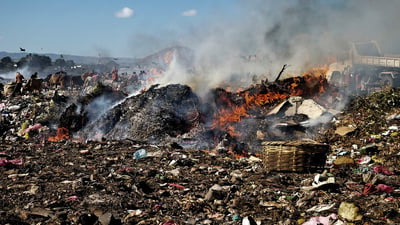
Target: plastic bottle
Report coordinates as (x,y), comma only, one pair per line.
(139,154)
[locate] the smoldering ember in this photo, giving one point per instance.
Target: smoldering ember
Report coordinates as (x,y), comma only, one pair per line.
(120,148)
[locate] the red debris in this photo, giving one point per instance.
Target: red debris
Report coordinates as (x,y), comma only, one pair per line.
(177,186)
(15,162)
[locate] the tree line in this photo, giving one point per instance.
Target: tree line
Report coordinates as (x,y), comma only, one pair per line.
(34,61)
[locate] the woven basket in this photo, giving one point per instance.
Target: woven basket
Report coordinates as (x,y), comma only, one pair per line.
(294,156)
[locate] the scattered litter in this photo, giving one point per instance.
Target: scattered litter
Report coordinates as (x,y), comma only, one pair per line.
(342,131)
(140,154)
(349,211)
(321,220)
(321,208)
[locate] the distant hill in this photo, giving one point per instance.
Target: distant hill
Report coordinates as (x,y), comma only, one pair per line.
(159,59)
(75,58)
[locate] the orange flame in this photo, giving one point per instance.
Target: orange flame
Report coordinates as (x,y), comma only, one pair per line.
(315,80)
(312,82)
(231,131)
(295,87)
(268,98)
(234,113)
(226,116)
(62,134)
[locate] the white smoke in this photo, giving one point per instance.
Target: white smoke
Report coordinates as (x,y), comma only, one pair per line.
(98,107)
(175,72)
(300,33)
(10,76)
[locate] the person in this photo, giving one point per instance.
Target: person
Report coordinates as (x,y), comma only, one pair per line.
(19,78)
(114,74)
(33,83)
(34,75)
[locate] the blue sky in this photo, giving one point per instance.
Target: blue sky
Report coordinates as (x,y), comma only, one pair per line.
(123,28)
(277,29)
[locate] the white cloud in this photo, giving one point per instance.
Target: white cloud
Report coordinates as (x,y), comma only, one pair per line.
(191,12)
(124,13)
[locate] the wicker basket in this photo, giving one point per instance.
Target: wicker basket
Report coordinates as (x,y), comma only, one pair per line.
(294,156)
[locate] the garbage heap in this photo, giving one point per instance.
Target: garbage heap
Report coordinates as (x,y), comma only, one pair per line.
(158,175)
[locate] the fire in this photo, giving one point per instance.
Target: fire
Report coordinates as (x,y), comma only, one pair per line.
(315,79)
(62,134)
(317,71)
(231,131)
(312,83)
(230,115)
(295,87)
(234,113)
(268,98)
(154,73)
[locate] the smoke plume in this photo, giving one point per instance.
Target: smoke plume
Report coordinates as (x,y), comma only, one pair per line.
(301,33)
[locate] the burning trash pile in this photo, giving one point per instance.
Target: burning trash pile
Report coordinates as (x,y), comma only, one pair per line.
(166,156)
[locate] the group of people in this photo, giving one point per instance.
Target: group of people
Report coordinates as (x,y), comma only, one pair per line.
(19,80)
(124,81)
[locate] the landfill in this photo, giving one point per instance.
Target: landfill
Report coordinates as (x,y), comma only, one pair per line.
(155,158)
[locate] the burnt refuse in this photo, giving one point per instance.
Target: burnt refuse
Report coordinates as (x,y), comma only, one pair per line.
(154,115)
